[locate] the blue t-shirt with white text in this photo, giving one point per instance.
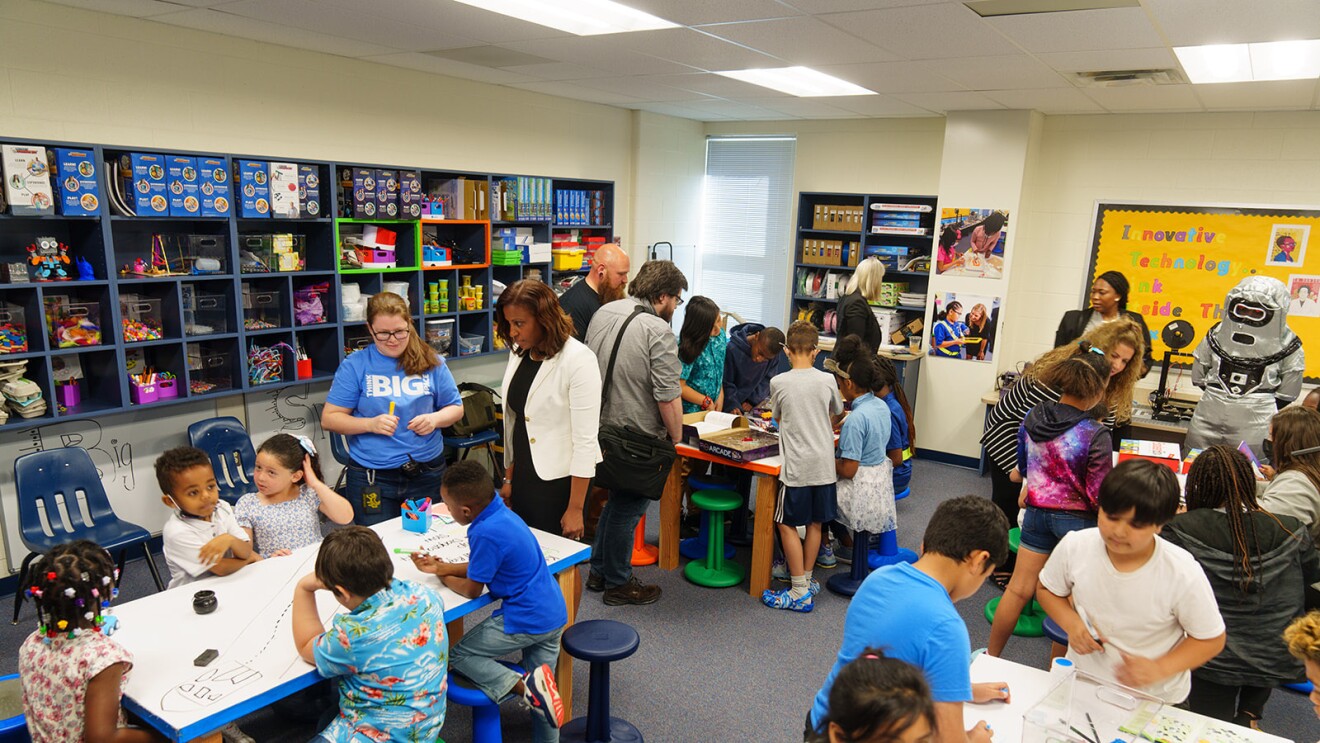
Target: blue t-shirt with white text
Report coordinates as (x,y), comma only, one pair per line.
(367,382)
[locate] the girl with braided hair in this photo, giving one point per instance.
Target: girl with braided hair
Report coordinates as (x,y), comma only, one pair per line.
(73,674)
(1258,564)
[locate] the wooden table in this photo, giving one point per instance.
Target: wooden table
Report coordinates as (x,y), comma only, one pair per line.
(671,506)
(258,663)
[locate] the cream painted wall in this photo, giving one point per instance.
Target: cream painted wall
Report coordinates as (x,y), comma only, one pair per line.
(669,166)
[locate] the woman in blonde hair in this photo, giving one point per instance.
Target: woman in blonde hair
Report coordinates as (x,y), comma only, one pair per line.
(392,398)
(1121,340)
(854,309)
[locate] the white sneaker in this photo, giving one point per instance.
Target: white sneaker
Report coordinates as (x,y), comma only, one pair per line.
(779,570)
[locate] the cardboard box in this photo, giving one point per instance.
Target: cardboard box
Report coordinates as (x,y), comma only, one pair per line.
(213,179)
(410,194)
(284,201)
(253,189)
(148,183)
(364,193)
(27,180)
(1160,452)
(76,186)
(181,178)
(309,191)
(387,194)
(742,444)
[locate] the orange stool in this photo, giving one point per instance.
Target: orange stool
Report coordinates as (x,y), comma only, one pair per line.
(643,553)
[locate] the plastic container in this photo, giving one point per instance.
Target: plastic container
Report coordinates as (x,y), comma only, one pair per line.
(567,260)
(204,314)
(440,335)
(280,252)
(209,370)
(13,329)
(469,343)
(261,309)
(73,323)
(140,318)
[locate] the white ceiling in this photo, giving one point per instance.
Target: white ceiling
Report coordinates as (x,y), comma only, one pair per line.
(923,57)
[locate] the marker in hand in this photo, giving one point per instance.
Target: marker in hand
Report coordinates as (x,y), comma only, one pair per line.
(391,407)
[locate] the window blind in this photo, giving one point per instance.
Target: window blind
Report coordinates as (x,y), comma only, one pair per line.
(745,226)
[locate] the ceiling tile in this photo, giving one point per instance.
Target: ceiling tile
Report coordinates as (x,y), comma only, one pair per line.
(815,7)
(271,33)
(452,68)
(1234,21)
(694,49)
(560,71)
(801,41)
(997,73)
(945,102)
(894,77)
(1154,58)
(643,88)
(1145,98)
(577,92)
(135,8)
(359,24)
(696,12)
(670,109)
(925,32)
(1081,30)
(599,51)
(734,110)
(456,19)
(715,85)
(876,106)
(1275,95)
(1046,100)
(805,108)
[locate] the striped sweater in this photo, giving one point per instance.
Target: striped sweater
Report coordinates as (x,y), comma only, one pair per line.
(1000,436)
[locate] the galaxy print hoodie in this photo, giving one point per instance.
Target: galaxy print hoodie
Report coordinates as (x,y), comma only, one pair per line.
(1067,453)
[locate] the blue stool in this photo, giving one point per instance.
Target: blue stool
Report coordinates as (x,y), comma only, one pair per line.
(12,729)
(888,552)
(485,439)
(1054,631)
(694,548)
(485,711)
(600,642)
(906,492)
(1301,687)
(846,584)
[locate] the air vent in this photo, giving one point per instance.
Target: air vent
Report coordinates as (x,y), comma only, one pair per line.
(1127,78)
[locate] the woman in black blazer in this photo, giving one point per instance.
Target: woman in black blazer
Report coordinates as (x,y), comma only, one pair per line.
(1109,295)
(854,308)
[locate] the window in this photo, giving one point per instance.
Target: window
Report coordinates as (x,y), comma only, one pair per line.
(746,214)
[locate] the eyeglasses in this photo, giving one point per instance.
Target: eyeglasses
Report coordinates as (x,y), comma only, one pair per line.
(679,303)
(387,335)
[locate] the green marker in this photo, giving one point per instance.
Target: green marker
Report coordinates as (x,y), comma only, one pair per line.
(399,551)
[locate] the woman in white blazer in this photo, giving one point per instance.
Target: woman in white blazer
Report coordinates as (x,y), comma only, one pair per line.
(551,410)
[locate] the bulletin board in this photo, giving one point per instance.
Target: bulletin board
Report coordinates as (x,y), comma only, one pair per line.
(1181,260)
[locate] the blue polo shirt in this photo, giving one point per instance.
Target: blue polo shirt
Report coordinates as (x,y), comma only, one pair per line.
(368,381)
(503,554)
(865,432)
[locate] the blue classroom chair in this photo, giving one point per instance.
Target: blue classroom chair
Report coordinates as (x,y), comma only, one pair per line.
(229,446)
(48,483)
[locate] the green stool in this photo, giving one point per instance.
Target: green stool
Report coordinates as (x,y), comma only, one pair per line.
(1014,538)
(1030,624)
(714,571)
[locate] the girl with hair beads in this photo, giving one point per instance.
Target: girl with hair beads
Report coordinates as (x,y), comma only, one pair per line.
(1066,453)
(72,673)
(876,699)
(1258,565)
(282,515)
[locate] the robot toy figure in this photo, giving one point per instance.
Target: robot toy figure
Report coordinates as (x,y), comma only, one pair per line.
(1250,364)
(49,257)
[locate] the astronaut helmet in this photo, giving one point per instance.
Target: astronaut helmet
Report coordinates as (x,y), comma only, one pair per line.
(1255,320)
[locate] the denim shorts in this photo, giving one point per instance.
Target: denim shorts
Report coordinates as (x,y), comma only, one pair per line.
(1042,528)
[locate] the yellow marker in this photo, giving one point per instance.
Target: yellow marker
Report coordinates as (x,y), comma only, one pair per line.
(391,407)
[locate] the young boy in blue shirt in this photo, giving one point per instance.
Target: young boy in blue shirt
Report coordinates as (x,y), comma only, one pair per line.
(909,611)
(504,557)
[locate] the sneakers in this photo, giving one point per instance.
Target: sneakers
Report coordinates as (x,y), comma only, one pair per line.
(632,592)
(231,734)
(826,558)
(781,600)
(595,581)
(842,555)
(779,570)
(542,695)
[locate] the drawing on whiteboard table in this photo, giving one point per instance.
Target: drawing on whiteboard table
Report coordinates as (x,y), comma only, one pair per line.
(291,410)
(113,459)
(246,660)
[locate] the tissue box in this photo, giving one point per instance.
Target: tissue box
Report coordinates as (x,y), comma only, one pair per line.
(417,515)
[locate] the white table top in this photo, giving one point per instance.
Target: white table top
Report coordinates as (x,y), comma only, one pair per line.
(251,628)
(1029,685)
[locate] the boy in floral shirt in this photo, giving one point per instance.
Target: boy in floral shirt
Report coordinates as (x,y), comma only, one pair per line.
(389,648)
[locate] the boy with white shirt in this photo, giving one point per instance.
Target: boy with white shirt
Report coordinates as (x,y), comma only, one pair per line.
(1142,610)
(202,537)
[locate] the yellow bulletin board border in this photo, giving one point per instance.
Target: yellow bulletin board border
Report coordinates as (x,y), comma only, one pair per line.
(1181,260)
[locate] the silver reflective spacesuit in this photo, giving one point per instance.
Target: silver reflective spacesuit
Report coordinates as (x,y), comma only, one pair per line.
(1247,362)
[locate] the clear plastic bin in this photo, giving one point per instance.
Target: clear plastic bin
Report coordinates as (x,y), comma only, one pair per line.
(469,343)
(209,370)
(73,323)
(204,313)
(261,309)
(140,318)
(13,329)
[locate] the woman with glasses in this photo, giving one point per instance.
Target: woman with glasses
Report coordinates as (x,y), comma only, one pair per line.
(552,396)
(392,398)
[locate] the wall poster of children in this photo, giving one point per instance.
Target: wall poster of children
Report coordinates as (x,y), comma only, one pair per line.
(964,326)
(971,242)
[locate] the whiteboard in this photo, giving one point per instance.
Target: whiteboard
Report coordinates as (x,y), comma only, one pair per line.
(124,448)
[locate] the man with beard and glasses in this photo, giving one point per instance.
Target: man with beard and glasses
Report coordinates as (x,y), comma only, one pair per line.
(604,284)
(643,393)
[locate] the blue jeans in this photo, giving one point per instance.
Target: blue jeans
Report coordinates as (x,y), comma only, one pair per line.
(474,657)
(611,552)
(391,489)
(1042,528)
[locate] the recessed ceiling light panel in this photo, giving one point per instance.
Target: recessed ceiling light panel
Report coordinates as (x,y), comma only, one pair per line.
(1237,63)
(581,17)
(803,82)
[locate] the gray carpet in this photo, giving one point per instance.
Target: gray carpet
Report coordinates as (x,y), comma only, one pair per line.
(715,664)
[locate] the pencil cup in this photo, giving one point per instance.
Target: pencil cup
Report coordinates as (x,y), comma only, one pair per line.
(304,368)
(417,515)
(69,392)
